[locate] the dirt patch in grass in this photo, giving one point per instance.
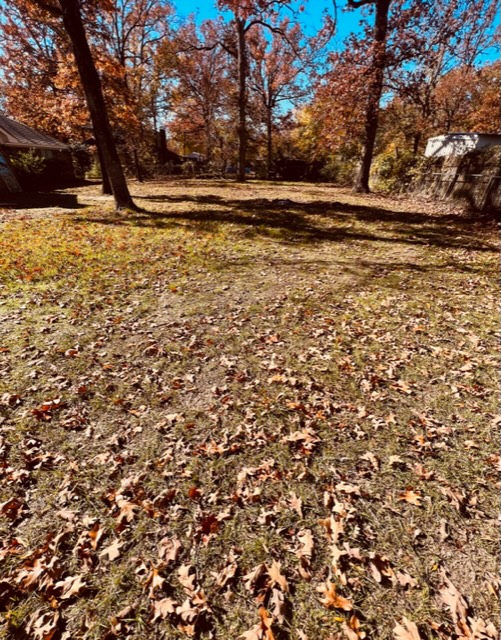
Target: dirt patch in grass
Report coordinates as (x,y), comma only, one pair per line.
(265,411)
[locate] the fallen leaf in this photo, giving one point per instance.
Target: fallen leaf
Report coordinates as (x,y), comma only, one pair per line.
(350,489)
(128,511)
(406,580)
(12,508)
(370,457)
(227,573)
(276,603)
(95,535)
(162,608)
(451,597)
(277,577)
(252,578)
(381,568)
(186,576)
(406,631)
(305,552)
(43,626)
(255,633)
(169,549)
(112,551)
(70,587)
(395,461)
(296,504)
(331,599)
(267,633)
(411,497)
(351,629)
(305,537)
(480,629)
(153,581)
(187,612)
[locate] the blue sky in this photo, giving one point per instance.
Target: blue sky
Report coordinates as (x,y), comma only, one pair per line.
(311,17)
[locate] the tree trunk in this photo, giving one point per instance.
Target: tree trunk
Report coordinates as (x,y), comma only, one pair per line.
(375,91)
(242,100)
(137,165)
(208,140)
(162,146)
(269,143)
(416,142)
(105,186)
(91,84)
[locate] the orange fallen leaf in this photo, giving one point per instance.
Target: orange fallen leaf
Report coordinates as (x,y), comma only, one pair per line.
(331,599)
(351,629)
(153,581)
(267,633)
(95,534)
(411,497)
(11,508)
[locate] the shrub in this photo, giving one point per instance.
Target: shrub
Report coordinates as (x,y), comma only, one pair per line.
(27,164)
(393,170)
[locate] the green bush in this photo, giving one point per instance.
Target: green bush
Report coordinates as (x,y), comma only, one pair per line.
(394,171)
(341,167)
(27,164)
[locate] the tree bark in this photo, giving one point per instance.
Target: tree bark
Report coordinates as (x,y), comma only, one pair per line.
(91,84)
(105,181)
(416,142)
(137,165)
(242,100)
(375,91)
(162,146)
(269,143)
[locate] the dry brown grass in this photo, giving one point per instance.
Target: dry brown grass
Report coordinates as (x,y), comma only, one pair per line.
(245,372)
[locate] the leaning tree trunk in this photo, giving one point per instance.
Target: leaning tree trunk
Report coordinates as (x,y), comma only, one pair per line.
(375,92)
(242,100)
(91,84)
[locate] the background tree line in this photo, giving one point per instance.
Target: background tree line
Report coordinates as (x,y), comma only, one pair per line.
(250,87)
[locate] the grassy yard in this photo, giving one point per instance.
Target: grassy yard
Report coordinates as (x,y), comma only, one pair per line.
(259,412)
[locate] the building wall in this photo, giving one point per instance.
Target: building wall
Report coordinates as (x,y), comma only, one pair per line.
(8,181)
(473,178)
(460,143)
(58,168)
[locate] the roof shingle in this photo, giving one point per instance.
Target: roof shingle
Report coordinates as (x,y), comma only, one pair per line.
(20,135)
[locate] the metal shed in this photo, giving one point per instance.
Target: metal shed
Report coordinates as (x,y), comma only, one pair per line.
(457,144)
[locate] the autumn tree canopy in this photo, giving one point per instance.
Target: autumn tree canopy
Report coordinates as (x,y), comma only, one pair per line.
(256,78)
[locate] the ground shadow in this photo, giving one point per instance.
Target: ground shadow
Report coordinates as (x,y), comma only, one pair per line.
(42,200)
(309,222)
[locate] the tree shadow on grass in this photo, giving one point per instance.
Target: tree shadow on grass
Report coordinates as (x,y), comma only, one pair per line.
(285,221)
(42,200)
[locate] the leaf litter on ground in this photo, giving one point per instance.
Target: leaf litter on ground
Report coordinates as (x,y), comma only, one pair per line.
(272,420)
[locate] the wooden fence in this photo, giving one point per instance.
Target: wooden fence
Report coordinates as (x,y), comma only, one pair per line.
(482,191)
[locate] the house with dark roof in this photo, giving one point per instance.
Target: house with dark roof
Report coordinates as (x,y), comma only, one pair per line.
(16,138)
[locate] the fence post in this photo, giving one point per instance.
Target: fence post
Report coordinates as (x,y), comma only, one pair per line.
(487,193)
